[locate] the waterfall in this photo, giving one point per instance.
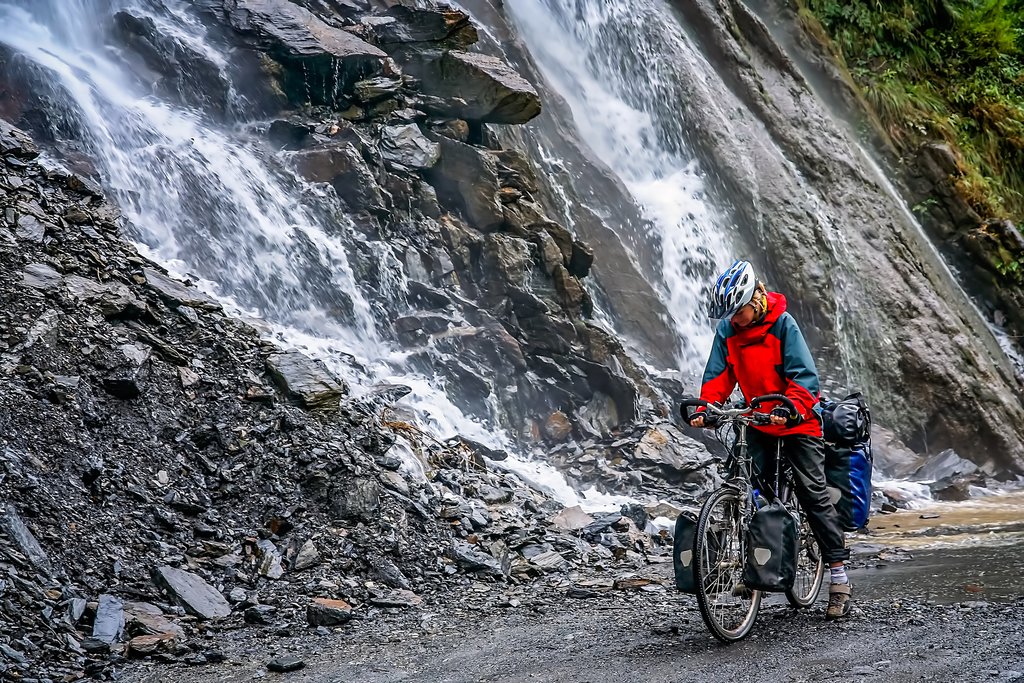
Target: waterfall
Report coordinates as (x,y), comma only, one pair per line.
(207,201)
(614,63)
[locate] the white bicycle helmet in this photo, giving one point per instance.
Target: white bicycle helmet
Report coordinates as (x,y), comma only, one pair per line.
(733,290)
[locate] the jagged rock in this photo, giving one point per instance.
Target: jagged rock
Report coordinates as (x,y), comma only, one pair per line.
(397,598)
(177,293)
(571,290)
(476,87)
(547,560)
(557,427)
(466,178)
(385,571)
(145,619)
(341,165)
(395,482)
(24,541)
(358,500)
(325,612)
(322,63)
(286,664)
(114,298)
(572,519)
(307,380)
(144,646)
(374,89)
(41,276)
(673,455)
(581,260)
(456,129)
(404,24)
(270,560)
(259,614)
(378,399)
(950,477)
(192,592)
(108,624)
(509,260)
(30,228)
(417,328)
(471,559)
(308,556)
(16,143)
(550,254)
(947,464)
(406,145)
(289,133)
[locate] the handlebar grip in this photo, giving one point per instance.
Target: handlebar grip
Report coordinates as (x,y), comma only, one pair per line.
(691,402)
(784,400)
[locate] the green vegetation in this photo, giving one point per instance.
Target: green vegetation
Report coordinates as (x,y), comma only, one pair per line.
(946,70)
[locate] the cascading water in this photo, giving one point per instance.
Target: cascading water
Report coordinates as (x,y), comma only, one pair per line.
(612,62)
(204,200)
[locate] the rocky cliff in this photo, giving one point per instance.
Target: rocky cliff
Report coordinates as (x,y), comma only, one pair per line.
(167,472)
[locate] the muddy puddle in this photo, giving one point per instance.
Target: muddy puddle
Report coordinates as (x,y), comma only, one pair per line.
(946,552)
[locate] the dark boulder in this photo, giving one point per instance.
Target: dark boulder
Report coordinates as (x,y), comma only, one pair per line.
(342,165)
(403,24)
(473,86)
(306,380)
(466,180)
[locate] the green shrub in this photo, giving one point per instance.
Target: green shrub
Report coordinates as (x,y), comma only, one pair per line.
(951,70)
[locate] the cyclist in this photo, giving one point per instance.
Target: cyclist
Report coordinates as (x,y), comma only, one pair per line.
(759,346)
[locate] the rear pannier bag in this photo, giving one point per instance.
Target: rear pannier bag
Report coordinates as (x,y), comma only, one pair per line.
(846,422)
(848,478)
(683,553)
(846,427)
(773,543)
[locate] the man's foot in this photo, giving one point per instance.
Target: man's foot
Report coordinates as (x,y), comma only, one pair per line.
(838,601)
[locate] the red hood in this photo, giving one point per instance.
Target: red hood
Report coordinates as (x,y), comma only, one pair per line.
(757,331)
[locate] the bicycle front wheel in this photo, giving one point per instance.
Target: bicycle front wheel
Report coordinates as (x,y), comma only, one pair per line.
(810,568)
(728,608)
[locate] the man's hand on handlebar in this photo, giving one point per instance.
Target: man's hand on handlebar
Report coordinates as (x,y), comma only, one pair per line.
(703,420)
(781,416)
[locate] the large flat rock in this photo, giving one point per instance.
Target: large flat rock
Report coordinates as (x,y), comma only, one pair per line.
(193,593)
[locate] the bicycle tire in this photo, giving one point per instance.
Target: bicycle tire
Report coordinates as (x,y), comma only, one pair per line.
(810,567)
(718,564)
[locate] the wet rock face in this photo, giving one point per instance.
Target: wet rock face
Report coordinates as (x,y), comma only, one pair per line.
(321,62)
(176,70)
(937,359)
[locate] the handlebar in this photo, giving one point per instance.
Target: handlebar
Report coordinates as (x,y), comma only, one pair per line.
(738,409)
(786,403)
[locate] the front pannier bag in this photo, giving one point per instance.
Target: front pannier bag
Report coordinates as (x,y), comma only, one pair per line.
(773,543)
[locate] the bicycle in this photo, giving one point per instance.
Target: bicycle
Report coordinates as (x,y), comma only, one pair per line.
(728,608)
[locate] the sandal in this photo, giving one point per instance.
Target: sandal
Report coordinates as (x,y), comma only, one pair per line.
(838,601)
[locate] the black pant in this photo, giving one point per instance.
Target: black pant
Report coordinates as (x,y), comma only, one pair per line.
(806,454)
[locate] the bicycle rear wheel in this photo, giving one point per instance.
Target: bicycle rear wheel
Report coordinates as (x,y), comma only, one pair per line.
(727,607)
(810,567)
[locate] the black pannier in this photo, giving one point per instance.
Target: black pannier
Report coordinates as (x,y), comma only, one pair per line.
(773,543)
(682,552)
